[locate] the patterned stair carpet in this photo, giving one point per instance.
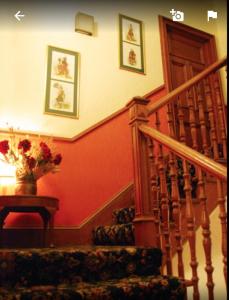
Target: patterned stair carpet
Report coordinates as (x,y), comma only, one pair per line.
(90,273)
(121,233)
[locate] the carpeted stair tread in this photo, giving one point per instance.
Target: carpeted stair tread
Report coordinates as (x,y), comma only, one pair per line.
(54,266)
(120,234)
(86,273)
(124,215)
(134,288)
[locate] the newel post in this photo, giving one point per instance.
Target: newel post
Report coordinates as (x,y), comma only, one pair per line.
(145,233)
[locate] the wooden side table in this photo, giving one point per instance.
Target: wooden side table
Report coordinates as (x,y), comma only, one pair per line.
(45,206)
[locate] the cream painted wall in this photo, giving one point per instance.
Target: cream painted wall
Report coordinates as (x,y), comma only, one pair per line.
(104,88)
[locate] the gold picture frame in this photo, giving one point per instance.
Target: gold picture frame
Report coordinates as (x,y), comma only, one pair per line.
(131,44)
(62,83)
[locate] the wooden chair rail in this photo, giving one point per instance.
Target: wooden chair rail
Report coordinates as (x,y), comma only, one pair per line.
(170,97)
(186,152)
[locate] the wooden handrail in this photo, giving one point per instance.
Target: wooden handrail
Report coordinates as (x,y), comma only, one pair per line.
(187,153)
(169,97)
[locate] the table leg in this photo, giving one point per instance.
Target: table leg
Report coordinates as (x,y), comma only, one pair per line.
(45,217)
(3,214)
(48,220)
(51,228)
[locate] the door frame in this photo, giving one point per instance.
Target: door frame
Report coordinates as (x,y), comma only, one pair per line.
(210,53)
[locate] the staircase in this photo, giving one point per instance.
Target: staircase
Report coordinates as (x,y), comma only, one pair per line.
(107,272)
(198,143)
(86,273)
(132,258)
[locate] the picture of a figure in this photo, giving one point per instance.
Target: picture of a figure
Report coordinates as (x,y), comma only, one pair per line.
(59,67)
(62,82)
(62,67)
(60,95)
(130,34)
(132,57)
(131,44)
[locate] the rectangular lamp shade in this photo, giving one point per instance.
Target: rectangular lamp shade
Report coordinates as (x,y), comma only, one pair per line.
(6,170)
(84,23)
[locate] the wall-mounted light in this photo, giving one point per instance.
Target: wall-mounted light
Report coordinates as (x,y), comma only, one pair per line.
(84,23)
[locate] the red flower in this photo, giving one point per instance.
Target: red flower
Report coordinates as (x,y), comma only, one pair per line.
(43,145)
(57,160)
(4,147)
(46,152)
(25,145)
(31,162)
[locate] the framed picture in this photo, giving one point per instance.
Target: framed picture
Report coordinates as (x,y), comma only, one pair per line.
(62,82)
(131,44)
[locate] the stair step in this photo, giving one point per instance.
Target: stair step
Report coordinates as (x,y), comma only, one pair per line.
(147,287)
(124,215)
(120,234)
(69,265)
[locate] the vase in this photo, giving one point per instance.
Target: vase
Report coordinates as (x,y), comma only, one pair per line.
(25,187)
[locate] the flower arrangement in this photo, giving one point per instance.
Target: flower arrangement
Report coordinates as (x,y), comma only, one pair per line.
(31,158)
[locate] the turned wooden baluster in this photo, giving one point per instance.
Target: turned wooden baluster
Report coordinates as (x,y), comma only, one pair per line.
(207,243)
(171,131)
(164,203)
(221,119)
(192,119)
(191,234)
(223,219)
(175,198)
(157,121)
(203,127)
(182,137)
(209,101)
(170,121)
(154,190)
(165,211)
(176,211)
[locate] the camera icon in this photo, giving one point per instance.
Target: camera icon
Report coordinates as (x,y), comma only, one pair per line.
(178,16)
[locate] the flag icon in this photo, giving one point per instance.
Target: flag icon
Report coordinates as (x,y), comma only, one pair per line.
(212,14)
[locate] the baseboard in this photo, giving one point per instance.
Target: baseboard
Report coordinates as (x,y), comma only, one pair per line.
(37,238)
(59,237)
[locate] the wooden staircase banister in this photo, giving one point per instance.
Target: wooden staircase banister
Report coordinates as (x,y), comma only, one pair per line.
(170,96)
(171,166)
(186,152)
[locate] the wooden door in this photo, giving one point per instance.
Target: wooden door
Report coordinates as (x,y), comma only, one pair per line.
(186,52)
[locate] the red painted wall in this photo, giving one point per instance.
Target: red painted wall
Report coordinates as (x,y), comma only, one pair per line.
(94,169)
